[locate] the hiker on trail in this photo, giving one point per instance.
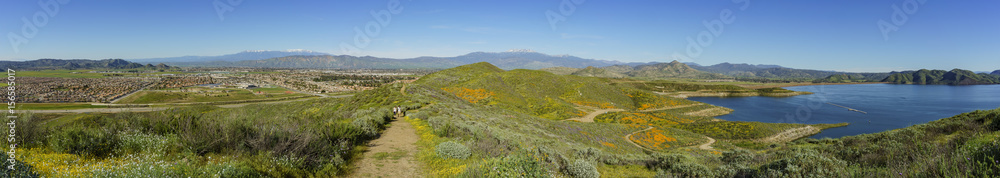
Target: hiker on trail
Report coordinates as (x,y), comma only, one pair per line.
(395,111)
(401,112)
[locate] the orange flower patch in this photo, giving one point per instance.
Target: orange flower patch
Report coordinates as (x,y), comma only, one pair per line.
(608,144)
(654,139)
(471,95)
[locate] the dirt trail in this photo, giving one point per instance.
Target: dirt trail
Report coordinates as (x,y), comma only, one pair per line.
(707,146)
(629,138)
(791,134)
(590,117)
(392,154)
(671,107)
(710,112)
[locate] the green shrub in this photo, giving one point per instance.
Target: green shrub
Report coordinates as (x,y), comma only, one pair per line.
(737,157)
(20,168)
(133,142)
(582,168)
(452,150)
(84,141)
(799,162)
(29,132)
(677,165)
(517,165)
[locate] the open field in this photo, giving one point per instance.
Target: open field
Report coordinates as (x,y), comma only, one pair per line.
(56,106)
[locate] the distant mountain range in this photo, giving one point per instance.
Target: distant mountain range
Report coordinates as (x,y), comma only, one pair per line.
(241,56)
(514,59)
(42,64)
(996,72)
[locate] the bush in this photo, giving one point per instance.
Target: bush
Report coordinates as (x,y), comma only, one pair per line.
(452,150)
(20,168)
(517,165)
(677,165)
(29,132)
(737,157)
(84,141)
(582,168)
(799,162)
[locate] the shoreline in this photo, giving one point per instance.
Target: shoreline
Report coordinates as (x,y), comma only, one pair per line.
(802,84)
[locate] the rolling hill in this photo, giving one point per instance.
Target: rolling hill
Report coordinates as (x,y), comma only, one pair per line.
(670,70)
(941,77)
(853,77)
(647,71)
(995,72)
(779,72)
(535,92)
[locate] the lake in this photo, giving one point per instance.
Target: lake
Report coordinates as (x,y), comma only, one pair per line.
(888,106)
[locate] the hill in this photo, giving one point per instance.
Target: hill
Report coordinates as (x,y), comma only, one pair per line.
(598,72)
(941,77)
(647,71)
(853,77)
(538,93)
(560,70)
(778,72)
(995,72)
(670,70)
(43,64)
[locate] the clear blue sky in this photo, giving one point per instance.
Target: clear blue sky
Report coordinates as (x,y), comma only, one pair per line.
(827,35)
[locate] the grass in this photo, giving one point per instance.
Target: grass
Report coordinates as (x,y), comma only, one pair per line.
(737,129)
(57,106)
(313,138)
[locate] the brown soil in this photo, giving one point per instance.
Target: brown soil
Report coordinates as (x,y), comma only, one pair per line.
(392,154)
(590,116)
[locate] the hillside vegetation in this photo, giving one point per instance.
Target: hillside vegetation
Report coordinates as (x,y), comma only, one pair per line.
(853,77)
(313,138)
(648,71)
(540,93)
(941,77)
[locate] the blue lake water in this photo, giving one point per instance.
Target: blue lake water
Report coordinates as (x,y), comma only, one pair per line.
(888,106)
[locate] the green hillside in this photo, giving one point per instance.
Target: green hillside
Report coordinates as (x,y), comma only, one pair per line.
(941,77)
(598,72)
(853,77)
(539,93)
(671,70)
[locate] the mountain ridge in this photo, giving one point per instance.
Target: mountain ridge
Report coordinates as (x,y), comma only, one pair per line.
(513,59)
(942,77)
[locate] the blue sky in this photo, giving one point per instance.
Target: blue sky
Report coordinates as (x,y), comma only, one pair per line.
(826,35)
